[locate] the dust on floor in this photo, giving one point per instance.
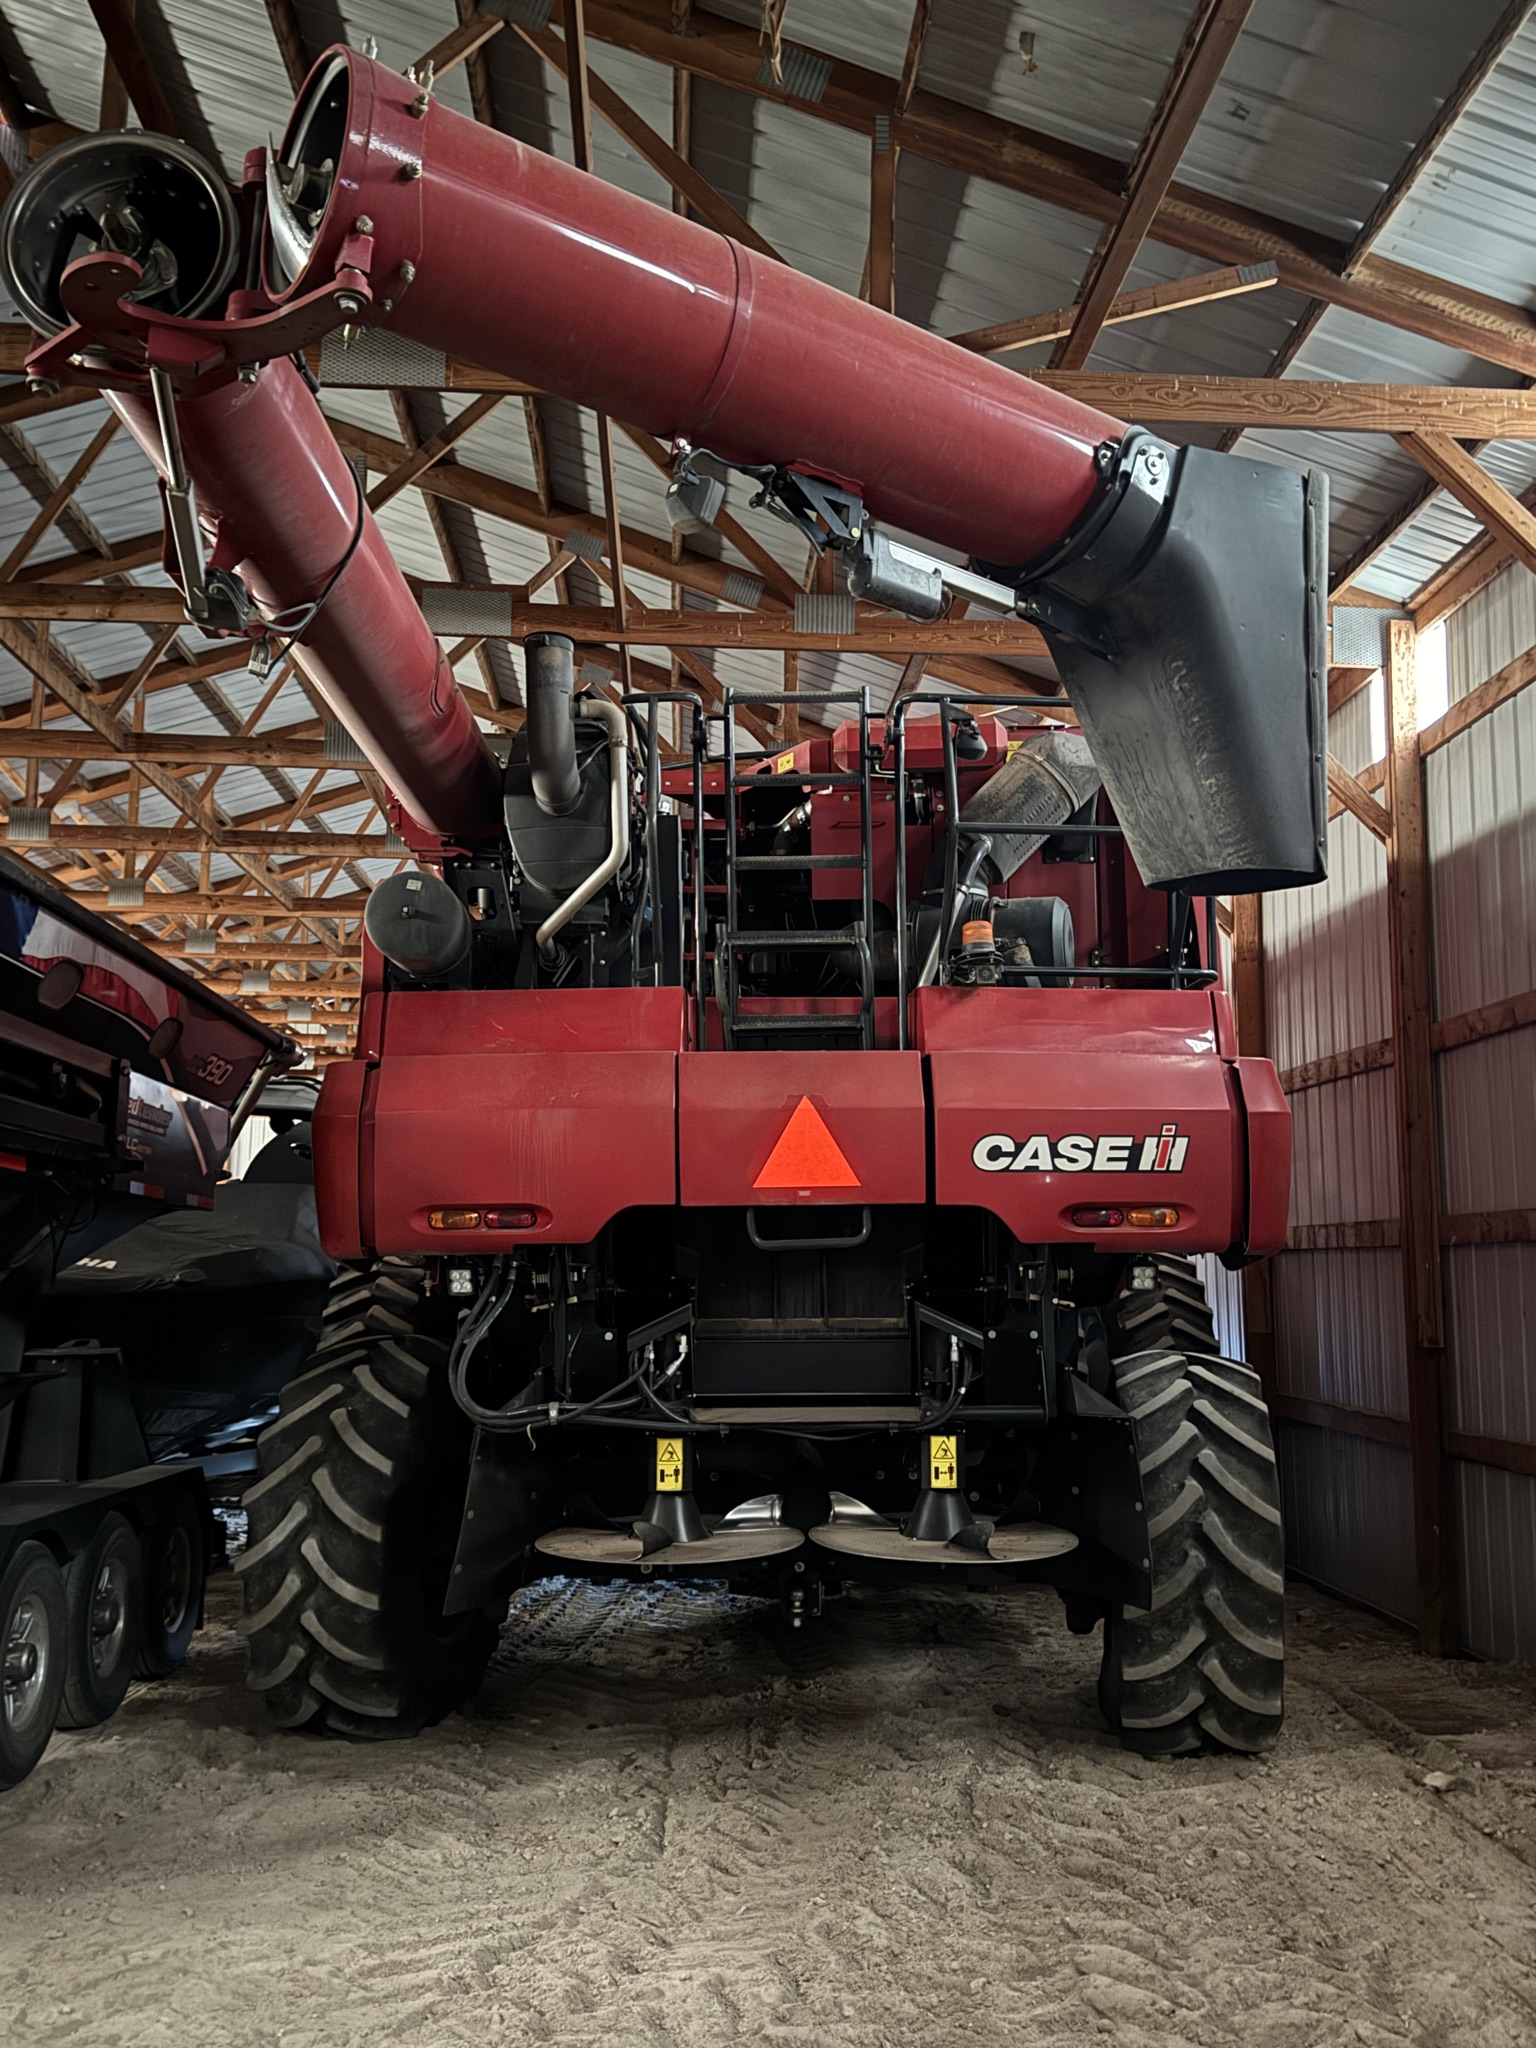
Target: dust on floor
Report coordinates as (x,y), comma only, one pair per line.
(673,1820)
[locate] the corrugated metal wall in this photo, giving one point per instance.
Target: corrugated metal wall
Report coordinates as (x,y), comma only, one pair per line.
(1481,793)
(1338,1313)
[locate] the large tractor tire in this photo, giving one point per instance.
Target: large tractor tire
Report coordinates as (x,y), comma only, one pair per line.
(354,1517)
(1203,1666)
(1173,1315)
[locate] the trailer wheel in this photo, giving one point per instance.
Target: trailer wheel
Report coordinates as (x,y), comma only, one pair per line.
(354,1518)
(174,1563)
(32,1627)
(1204,1665)
(104,1596)
(1173,1315)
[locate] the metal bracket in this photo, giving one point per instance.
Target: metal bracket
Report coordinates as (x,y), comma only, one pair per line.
(1071,621)
(216,600)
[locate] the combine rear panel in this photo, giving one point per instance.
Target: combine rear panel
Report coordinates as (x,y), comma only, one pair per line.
(784,1169)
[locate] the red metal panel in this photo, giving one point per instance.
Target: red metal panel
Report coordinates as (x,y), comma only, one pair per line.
(530,267)
(497,1020)
(1063,1020)
(563,1101)
(1269,1154)
(577,1136)
(270,475)
(1033,1135)
(732,1109)
(336,1132)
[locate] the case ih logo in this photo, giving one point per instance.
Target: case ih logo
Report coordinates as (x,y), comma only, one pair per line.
(1163,1152)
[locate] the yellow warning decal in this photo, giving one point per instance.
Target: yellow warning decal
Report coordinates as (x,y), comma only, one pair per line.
(1011,749)
(669,1464)
(943,1462)
(783,764)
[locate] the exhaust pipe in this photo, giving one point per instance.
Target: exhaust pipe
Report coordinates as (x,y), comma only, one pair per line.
(551,726)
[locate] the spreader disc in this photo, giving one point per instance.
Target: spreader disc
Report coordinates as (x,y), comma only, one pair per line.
(592,1546)
(618,1547)
(1020,1543)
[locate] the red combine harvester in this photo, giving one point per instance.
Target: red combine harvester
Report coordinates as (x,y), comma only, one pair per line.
(780,1169)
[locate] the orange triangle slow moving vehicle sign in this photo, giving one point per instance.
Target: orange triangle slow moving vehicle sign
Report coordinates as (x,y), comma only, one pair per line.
(807,1155)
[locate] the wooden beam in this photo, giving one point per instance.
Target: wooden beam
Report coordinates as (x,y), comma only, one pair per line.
(1500,1452)
(1083,181)
(912,61)
(59,497)
(710,206)
(1303,404)
(1231,281)
(1483,495)
(283,16)
(1490,1226)
(1410,923)
(1294,404)
(1197,68)
(31,405)
(1472,569)
(128,602)
(1358,801)
(54,667)
(140,552)
(578,81)
(171,903)
(114,95)
(881,262)
(169,749)
(114,18)
(1366,1422)
(1338,1066)
(459,45)
(875,632)
(420,460)
(112,837)
(1447,114)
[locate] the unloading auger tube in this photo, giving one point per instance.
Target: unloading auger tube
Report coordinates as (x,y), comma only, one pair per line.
(1181,591)
(285,507)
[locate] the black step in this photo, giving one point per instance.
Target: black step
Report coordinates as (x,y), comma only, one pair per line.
(799,860)
(788,942)
(842,1021)
(794,779)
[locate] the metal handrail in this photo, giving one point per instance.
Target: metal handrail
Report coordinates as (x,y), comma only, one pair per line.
(651,701)
(952,707)
(864,938)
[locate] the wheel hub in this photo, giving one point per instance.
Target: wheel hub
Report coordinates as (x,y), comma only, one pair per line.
(28,1650)
(109,1615)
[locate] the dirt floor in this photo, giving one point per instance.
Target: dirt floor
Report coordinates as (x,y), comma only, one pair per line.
(673,1820)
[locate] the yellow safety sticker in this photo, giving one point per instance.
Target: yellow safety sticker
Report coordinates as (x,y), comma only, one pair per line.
(944,1462)
(1011,749)
(783,764)
(669,1464)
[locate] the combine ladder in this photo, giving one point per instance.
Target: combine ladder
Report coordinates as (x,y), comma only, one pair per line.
(731,940)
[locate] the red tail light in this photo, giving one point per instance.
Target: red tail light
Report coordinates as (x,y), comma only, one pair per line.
(1097,1219)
